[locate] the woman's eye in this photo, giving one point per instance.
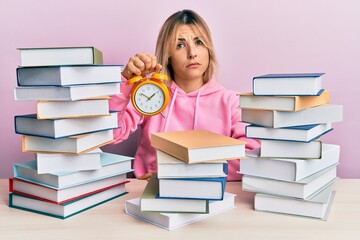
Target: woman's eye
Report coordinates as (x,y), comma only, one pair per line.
(199,42)
(180,45)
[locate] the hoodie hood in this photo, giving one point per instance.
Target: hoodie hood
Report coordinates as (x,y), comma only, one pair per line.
(210,87)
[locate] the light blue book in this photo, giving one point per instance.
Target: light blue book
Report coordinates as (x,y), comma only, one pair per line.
(111,165)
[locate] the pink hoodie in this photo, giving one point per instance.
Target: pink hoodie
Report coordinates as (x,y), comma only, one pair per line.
(212,108)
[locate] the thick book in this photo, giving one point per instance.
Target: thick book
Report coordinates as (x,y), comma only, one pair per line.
(83,55)
(66,93)
(111,165)
(288,169)
(72,109)
(68,75)
(316,207)
(290,149)
(288,84)
(60,196)
(194,146)
(57,162)
(192,188)
(171,167)
(171,221)
(67,209)
(303,189)
(63,127)
(78,144)
(150,201)
(283,103)
(306,133)
(327,113)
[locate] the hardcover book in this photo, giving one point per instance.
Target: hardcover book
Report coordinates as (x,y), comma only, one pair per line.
(327,113)
(60,56)
(283,103)
(63,127)
(68,75)
(111,165)
(67,93)
(288,169)
(150,201)
(288,84)
(171,221)
(196,146)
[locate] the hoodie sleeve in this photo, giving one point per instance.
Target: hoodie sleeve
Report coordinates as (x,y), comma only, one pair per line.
(238,132)
(128,118)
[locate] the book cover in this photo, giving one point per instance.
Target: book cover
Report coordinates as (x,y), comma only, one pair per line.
(192,188)
(67,209)
(172,221)
(68,75)
(195,146)
(171,167)
(66,93)
(303,189)
(82,55)
(60,196)
(288,169)
(63,127)
(327,113)
(306,133)
(316,207)
(288,84)
(283,103)
(150,201)
(72,109)
(111,165)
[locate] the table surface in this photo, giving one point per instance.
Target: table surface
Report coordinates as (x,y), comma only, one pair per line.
(109,221)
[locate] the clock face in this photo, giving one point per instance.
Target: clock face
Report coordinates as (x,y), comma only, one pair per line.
(149,98)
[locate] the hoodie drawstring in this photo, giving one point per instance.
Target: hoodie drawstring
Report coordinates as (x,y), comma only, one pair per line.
(170,110)
(196,108)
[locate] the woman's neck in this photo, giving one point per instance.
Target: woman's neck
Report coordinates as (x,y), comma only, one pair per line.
(189,85)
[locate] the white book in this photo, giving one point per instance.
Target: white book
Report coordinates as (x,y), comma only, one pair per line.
(288,169)
(290,149)
(65,210)
(76,144)
(171,221)
(327,113)
(72,109)
(304,133)
(171,167)
(60,196)
(316,207)
(68,75)
(57,162)
(192,188)
(111,165)
(63,127)
(66,93)
(60,56)
(303,189)
(288,84)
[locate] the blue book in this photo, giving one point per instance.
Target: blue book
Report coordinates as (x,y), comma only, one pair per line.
(192,188)
(305,133)
(63,127)
(111,165)
(292,84)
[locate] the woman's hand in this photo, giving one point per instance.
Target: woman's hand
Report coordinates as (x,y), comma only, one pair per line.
(145,176)
(141,64)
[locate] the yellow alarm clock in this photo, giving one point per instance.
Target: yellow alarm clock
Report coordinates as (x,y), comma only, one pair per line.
(149,95)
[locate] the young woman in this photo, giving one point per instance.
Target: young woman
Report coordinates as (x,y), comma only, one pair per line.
(185,52)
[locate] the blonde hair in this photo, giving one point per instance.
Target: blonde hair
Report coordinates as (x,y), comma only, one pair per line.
(167,37)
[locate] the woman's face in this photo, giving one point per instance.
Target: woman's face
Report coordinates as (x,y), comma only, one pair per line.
(189,57)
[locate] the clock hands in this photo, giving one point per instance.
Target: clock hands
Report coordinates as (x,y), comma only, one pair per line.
(148,98)
(151,97)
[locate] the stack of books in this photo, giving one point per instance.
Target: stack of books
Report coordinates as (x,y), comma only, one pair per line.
(191,178)
(293,171)
(72,121)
